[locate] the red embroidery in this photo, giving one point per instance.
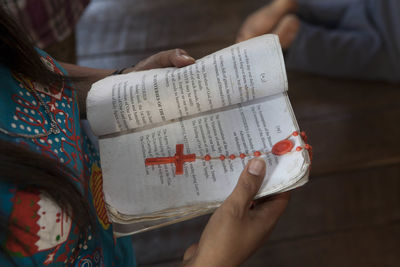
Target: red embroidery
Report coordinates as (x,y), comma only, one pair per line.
(24,225)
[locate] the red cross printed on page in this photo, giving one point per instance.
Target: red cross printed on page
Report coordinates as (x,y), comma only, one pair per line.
(178,159)
(280,148)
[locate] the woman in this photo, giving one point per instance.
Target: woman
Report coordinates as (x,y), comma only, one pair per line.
(48,214)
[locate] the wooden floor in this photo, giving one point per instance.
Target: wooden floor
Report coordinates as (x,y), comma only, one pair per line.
(349,212)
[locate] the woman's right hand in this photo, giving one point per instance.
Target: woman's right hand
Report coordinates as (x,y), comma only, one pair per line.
(170,58)
(235,231)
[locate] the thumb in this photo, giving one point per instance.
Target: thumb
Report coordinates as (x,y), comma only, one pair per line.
(248,184)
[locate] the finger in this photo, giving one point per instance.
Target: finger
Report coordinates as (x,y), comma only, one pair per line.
(180,58)
(190,252)
(248,185)
(169,58)
(173,58)
(159,60)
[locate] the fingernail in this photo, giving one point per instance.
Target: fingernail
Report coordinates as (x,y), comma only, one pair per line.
(188,57)
(256,166)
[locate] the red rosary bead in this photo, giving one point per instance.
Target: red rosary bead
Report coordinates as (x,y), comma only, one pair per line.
(207,157)
(299,148)
(282,147)
(295,133)
(304,136)
(232,156)
(222,157)
(257,153)
(242,155)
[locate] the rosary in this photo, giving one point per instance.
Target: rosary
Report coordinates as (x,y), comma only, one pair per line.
(280,148)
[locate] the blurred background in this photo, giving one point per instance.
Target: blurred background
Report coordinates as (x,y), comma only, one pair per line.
(349,212)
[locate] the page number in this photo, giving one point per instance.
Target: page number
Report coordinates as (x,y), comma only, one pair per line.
(263,77)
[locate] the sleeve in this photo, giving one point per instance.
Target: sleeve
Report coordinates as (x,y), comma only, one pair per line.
(326,13)
(37,232)
(352,50)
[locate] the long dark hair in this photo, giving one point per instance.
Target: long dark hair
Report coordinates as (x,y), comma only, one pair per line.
(25,169)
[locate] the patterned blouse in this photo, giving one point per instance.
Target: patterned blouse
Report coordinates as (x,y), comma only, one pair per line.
(49,235)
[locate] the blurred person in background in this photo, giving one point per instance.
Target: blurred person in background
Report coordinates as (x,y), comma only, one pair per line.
(340,38)
(50,24)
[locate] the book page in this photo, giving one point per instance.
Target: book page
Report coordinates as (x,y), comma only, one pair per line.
(237,74)
(132,188)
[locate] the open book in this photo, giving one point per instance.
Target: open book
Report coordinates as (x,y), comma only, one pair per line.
(232,103)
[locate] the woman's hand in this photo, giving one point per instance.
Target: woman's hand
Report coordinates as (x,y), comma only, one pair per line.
(170,58)
(235,231)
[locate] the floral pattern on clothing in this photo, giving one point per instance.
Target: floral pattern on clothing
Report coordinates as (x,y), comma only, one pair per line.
(49,236)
